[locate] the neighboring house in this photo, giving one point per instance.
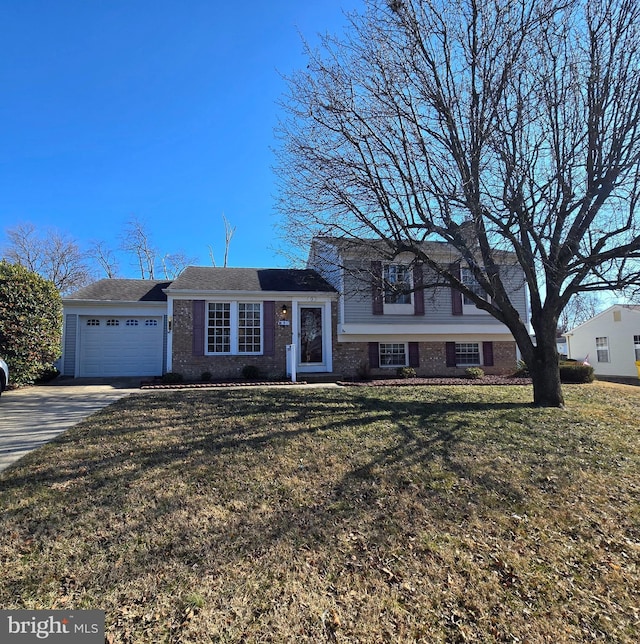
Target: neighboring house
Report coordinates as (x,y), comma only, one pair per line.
(609,341)
(349,313)
(386,320)
(215,320)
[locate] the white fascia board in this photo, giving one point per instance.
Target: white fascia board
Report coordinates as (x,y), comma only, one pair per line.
(100,307)
(423,329)
(252,295)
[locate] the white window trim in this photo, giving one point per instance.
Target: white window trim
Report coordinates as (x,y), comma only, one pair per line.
(398,309)
(393,366)
(471,309)
(602,348)
(470,364)
(234,318)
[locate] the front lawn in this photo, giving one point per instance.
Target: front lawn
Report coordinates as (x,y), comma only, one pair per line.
(432,514)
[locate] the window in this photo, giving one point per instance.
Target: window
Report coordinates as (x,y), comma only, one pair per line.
(397,284)
(636,344)
(467,278)
(393,354)
(249,328)
(234,327)
(132,323)
(602,349)
(151,322)
(219,328)
(467,354)
(113,322)
(93,322)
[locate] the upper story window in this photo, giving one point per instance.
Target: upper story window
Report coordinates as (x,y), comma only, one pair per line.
(234,328)
(602,349)
(397,289)
(467,278)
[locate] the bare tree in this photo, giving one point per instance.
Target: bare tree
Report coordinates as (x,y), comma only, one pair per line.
(52,254)
(104,257)
(137,241)
(229,231)
(174,263)
(516,119)
(580,308)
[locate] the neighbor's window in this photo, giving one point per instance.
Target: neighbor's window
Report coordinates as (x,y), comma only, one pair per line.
(467,278)
(636,344)
(393,354)
(602,349)
(249,328)
(397,284)
(219,328)
(467,354)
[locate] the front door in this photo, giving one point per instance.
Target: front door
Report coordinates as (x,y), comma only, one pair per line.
(311,340)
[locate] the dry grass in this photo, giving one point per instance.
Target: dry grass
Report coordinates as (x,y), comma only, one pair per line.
(436,514)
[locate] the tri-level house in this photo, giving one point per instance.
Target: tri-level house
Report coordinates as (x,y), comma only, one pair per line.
(350,312)
(388,317)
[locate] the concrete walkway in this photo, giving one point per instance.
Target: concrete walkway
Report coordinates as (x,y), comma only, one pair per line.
(33,416)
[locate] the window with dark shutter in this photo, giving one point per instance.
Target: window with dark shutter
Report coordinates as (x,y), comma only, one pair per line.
(418,294)
(456,296)
(374,355)
(451,354)
(376,288)
(487,354)
(198,327)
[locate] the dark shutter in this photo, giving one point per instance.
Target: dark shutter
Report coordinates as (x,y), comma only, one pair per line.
(269,327)
(487,354)
(374,355)
(376,288)
(456,296)
(198,327)
(451,354)
(414,355)
(418,293)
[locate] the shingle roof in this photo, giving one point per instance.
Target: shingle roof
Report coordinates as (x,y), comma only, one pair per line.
(122,290)
(210,278)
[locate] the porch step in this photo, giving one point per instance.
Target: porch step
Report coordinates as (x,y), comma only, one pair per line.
(319,377)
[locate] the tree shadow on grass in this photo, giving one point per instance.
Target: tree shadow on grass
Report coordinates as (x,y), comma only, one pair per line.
(270,471)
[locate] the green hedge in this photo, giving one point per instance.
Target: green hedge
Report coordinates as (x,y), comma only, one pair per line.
(30,323)
(576,372)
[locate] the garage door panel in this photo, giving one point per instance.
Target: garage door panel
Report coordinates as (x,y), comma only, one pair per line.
(122,349)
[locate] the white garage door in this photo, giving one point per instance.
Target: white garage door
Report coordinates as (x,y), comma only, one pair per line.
(120,346)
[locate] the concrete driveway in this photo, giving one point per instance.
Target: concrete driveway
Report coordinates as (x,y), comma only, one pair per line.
(33,416)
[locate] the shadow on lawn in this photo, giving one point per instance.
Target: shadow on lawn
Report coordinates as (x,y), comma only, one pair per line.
(119,445)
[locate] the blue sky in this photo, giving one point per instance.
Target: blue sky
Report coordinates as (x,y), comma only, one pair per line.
(159,110)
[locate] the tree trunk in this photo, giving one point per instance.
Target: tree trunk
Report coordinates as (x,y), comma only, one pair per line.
(543,365)
(545,374)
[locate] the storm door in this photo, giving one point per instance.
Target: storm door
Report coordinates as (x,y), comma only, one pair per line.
(311,350)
